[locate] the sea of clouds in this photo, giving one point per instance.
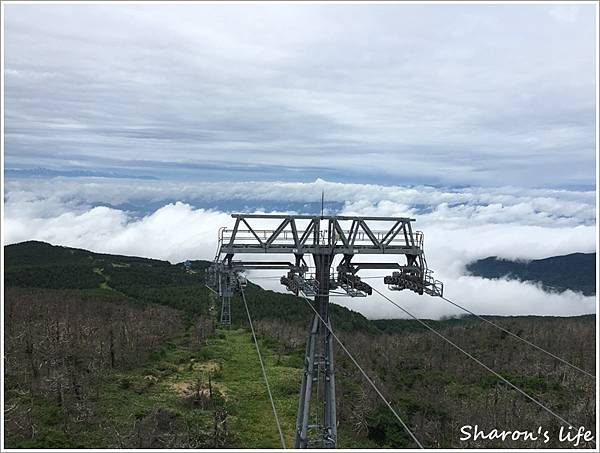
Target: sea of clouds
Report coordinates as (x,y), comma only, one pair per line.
(460,225)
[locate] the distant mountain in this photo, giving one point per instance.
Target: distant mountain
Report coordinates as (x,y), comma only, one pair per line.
(576,271)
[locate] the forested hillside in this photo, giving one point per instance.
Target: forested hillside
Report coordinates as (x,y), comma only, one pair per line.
(576,271)
(107,351)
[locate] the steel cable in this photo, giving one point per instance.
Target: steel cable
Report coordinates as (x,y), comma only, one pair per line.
(497,326)
(566,362)
(262,366)
(506,381)
(520,338)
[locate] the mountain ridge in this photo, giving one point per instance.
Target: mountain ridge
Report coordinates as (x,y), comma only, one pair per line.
(574,271)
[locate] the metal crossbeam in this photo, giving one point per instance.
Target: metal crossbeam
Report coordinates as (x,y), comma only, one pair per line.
(320,217)
(288,238)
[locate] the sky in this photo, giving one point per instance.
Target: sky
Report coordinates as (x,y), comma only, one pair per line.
(139,129)
(383,94)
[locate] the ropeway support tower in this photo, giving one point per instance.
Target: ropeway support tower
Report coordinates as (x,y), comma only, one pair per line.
(324,238)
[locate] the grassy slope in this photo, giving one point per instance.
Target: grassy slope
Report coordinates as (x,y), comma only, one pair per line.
(241,377)
(127,396)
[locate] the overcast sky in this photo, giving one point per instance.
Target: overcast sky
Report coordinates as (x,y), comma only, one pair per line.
(388,94)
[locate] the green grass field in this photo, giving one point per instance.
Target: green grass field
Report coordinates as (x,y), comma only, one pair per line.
(241,379)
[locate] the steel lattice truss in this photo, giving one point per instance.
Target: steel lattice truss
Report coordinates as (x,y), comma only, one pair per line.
(355,237)
(342,235)
(323,238)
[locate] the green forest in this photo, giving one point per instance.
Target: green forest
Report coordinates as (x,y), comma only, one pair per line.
(109,351)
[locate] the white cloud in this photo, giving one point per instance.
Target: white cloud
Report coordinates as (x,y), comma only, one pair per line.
(174,232)
(470,204)
(460,226)
(484,297)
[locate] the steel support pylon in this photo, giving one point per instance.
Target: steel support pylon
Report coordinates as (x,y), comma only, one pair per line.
(324,237)
(317,428)
(225,292)
(226,310)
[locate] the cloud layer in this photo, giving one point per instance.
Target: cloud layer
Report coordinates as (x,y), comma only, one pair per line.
(393,94)
(460,225)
